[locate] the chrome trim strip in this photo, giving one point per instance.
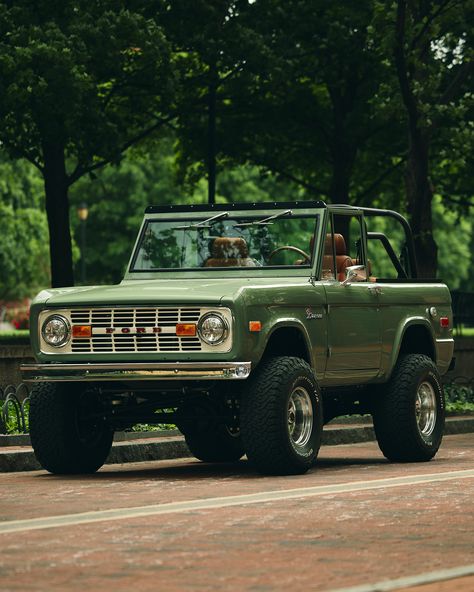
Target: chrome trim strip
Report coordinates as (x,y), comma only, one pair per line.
(137,371)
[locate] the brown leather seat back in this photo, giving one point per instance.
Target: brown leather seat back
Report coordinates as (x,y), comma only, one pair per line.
(343,261)
(229,252)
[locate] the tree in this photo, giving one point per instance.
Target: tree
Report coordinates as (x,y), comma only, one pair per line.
(80,82)
(432,49)
(24,242)
(215,45)
(117,198)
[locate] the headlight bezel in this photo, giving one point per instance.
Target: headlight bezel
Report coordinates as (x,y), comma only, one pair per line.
(225,328)
(67,335)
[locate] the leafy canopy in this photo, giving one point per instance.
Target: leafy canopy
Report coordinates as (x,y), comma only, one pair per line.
(88,76)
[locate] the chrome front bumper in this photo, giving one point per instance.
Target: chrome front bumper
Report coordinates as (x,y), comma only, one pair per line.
(135,371)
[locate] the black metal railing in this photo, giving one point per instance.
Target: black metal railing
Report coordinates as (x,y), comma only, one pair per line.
(14,406)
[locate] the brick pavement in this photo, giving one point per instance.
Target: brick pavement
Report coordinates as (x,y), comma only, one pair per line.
(319,543)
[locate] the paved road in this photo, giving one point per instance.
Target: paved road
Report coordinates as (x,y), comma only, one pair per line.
(352,522)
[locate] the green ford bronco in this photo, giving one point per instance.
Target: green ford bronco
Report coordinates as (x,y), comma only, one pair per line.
(248,326)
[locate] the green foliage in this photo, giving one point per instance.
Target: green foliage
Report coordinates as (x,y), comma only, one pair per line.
(80,82)
(454,251)
(14,416)
(147,427)
(86,76)
(293,99)
(118,196)
(24,252)
(24,248)
(459,398)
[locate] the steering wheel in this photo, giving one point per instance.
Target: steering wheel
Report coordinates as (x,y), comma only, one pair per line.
(289,248)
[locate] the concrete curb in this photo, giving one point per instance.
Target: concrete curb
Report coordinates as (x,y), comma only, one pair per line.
(148,447)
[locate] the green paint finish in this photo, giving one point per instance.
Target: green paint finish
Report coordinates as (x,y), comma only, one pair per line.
(351,334)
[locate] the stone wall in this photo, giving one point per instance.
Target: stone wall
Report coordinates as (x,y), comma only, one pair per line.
(11,356)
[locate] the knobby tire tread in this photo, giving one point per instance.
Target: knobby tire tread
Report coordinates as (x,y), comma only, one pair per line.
(261,418)
(53,437)
(394,419)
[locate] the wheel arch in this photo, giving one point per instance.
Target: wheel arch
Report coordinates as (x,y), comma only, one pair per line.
(288,338)
(415,336)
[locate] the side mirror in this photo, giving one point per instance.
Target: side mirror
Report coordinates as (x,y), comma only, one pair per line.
(352,272)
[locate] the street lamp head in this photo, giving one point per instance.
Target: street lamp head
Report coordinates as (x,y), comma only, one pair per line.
(82,211)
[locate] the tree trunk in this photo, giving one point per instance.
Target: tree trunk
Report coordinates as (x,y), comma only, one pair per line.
(211,134)
(419,194)
(57,209)
(343,162)
(419,191)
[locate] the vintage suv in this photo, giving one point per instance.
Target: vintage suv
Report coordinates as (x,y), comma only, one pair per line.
(249,326)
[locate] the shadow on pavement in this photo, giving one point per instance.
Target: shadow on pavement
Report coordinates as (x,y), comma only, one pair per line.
(196,470)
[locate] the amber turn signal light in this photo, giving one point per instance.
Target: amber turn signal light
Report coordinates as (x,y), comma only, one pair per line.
(186,329)
(81,330)
(255,326)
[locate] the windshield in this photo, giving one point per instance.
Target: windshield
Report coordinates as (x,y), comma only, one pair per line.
(226,240)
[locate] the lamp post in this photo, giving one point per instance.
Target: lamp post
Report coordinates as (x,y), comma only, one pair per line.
(82,214)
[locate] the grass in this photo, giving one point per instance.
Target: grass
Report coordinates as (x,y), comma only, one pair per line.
(16,336)
(464,332)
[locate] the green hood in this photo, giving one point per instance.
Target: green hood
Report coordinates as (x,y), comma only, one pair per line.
(172,291)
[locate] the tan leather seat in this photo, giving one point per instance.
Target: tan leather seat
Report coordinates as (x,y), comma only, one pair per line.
(343,261)
(229,252)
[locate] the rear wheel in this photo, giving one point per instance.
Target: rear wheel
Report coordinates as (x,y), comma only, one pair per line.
(409,416)
(218,445)
(211,430)
(281,419)
(68,433)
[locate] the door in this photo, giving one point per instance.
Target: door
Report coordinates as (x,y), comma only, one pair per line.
(353,312)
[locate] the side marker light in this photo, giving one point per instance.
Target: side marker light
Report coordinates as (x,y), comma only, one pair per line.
(444,322)
(255,326)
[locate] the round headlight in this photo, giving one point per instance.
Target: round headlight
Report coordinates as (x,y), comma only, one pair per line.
(213,328)
(56,331)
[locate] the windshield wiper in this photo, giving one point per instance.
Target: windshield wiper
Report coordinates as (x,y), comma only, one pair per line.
(265,221)
(203,223)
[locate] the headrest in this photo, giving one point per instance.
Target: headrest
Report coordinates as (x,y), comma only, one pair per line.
(339,243)
(229,248)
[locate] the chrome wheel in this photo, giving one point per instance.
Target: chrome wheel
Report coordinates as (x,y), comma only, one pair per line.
(426,409)
(300,416)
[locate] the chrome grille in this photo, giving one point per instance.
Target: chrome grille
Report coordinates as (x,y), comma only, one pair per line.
(164,318)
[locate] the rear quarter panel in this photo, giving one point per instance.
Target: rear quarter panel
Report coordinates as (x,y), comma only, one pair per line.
(407,304)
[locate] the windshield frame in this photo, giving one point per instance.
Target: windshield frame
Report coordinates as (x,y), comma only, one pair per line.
(188,215)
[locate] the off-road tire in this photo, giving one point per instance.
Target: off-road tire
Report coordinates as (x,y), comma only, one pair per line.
(403,433)
(266,417)
(210,428)
(59,440)
(215,446)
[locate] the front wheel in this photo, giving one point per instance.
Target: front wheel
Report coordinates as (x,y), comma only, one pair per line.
(409,416)
(68,433)
(281,417)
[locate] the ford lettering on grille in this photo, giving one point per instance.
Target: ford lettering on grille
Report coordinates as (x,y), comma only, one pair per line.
(131,330)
